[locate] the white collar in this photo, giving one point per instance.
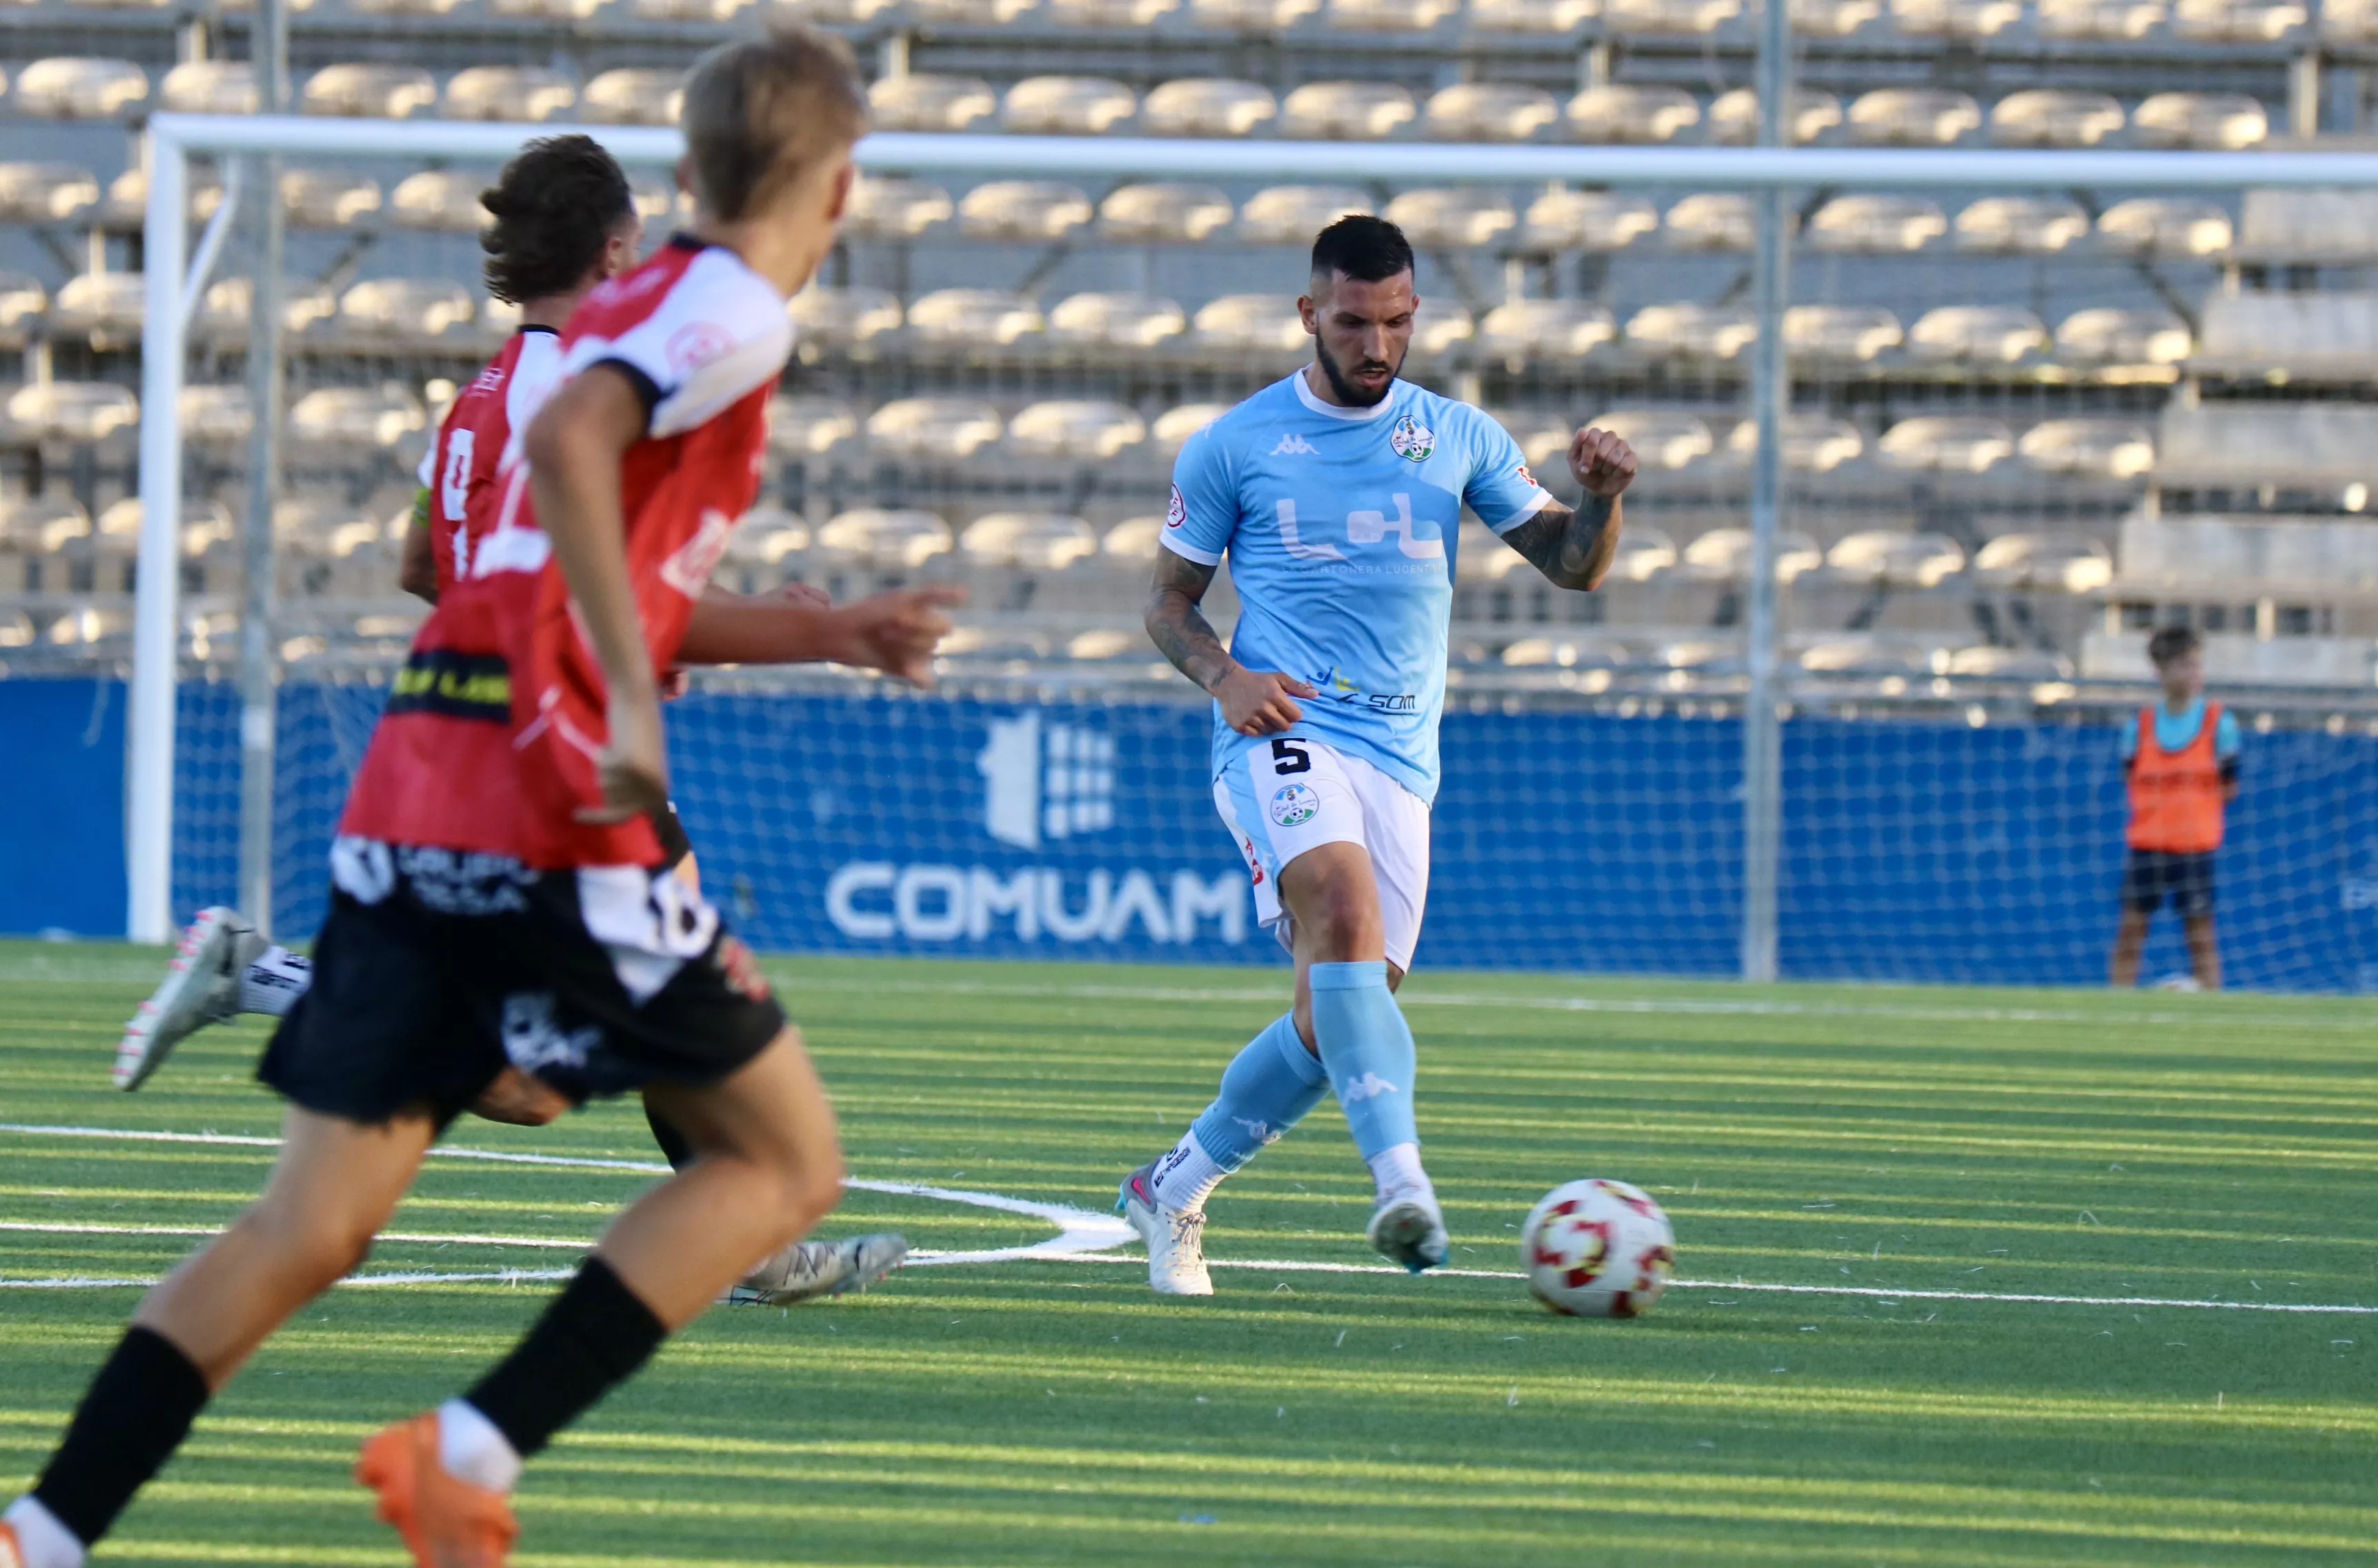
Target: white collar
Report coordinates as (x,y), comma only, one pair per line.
(1306,395)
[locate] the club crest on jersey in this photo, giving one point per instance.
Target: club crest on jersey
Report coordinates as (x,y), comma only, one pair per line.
(1413,440)
(1293,805)
(696,343)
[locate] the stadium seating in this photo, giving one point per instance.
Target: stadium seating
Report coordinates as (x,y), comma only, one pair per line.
(1116,321)
(1631,113)
(1164,214)
(1586,220)
(1207,106)
(2021,225)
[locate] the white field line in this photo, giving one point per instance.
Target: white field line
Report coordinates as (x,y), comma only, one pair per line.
(1083,1237)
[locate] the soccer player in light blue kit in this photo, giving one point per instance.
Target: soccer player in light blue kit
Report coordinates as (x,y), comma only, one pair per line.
(1337,494)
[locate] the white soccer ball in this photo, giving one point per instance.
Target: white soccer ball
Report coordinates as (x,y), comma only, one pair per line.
(1597,1248)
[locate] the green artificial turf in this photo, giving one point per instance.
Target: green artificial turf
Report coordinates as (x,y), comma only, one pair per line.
(2199,1148)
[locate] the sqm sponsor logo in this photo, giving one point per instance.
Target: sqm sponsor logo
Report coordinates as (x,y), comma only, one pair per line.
(1043,783)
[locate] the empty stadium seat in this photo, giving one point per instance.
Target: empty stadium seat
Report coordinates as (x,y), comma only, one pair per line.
(2348,21)
(90,626)
(2054,117)
(2215,120)
(1250,321)
(2165,226)
(1175,426)
(1586,220)
(1546,328)
(443,199)
(224,309)
(1207,106)
(888,206)
(1346,111)
(886,538)
(205,525)
(1075,428)
(927,102)
(1908,560)
(1543,434)
(1441,329)
(210,86)
(397,7)
(806,427)
(1663,438)
(2122,20)
(44,524)
(767,537)
(1023,210)
(1713,221)
(1132,541)
(406,306)
(1692,331)
(1116,319)
(1293,214)
(1723,554)
(2107,335)
(2097,447)
(369,91)
(327,526)
(2021,225)
(634,96)
(1253,16)
(1644,552)
(1841,332)
(1832,19)
(1954,443)
(947,428)
(2035,664)
(1586,650)
(1615,114)
(100,302)
(72,410)
(1040,540)
(1990,334)
(1106,643)
(2310,224)
(1913,116)
(687,10)
(1167,214)
(78,88)
(1458,218)
(1531,15)
(1813,443)
(843,318)
(507,92)
(22,301)
(973,318)
(1014,648)
(2238,21)
(45,193)
(1668,15)
(356,416)
(326,198)
(2072,562)
(1733,116)
(1389,15)
(1109,13)
(1488,112)
(969,13)
(1879,223)
(2331,332)
(547,10)
(1068,106)
(214,412)
(1954,18)
(1864,658)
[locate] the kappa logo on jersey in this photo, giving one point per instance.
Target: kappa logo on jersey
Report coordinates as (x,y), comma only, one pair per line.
(1293,805)
(688,566)
(1176,510)
(1413,440)
(534,1040)
(696,343)
(1369,1086)
(1295,446)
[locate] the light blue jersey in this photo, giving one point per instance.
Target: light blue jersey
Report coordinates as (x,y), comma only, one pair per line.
(1340,525)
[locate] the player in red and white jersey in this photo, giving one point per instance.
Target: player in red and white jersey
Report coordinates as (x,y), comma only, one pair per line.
(497,892)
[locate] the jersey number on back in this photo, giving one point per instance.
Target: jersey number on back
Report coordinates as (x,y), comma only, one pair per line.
(455,484)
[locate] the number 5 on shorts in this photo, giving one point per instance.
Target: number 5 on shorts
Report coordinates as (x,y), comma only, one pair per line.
(1290,757)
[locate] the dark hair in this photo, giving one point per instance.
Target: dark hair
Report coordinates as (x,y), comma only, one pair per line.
(555,207)
(1366,248)
(760,112)
(2172,642)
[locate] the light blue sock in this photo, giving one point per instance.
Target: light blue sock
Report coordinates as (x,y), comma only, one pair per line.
(1367,1047)
(1266,1090)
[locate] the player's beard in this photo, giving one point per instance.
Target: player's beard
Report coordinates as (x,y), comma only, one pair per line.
(1348,393)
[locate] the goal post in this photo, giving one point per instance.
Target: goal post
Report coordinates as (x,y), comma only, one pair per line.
(175,278)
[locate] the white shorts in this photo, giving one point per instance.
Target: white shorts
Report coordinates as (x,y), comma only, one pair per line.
(1283,797)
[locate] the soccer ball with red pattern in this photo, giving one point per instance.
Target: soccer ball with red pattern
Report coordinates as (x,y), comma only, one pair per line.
(1597,1248)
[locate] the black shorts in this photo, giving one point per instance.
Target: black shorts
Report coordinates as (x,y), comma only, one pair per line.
(436,967)
(2186,876)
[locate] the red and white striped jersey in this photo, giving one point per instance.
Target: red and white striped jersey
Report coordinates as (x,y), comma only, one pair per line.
(490,735)
(458,470)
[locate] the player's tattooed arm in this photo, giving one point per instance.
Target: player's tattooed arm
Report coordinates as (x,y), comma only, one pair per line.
(1573,547)
(1254,702)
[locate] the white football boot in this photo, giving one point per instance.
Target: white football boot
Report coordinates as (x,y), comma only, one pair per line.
(1409,1228)
(1175,1237)
(807,1270)
(201,987)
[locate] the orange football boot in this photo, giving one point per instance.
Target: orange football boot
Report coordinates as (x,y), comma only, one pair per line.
(12,1550)
(448,1523)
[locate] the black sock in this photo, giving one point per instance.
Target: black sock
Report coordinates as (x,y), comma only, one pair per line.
(136,1413)
(592,1339)
(674,1147)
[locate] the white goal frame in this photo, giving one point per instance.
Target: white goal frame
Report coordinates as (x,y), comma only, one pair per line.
(176,280)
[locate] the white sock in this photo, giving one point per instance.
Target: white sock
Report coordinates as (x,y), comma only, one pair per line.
(472,1449)
(1187,1177)
(274,982)
(47,1543)
(1397,1170)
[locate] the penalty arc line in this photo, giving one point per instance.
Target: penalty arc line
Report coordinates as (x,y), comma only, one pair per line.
(1084,1236)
